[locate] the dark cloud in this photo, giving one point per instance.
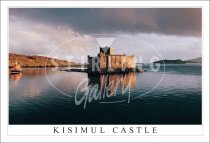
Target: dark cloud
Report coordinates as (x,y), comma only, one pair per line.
(172,21)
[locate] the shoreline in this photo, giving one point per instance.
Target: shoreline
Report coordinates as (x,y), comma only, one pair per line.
(76,66)
(47,66)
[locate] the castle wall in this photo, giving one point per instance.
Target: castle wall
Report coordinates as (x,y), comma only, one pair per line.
(89,62)
(122,61)
(130,62)
(92,63)
(117,62)
(103,61)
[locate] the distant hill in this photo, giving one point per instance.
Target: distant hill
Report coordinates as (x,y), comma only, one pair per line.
(37,61)
(196,60)
(178,61)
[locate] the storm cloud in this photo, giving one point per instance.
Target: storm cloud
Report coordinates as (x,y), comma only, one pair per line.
(174,32)
(170,21)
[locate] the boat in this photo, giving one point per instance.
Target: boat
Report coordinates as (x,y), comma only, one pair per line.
(15,69)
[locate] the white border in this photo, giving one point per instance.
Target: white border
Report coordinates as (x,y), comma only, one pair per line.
(161,138)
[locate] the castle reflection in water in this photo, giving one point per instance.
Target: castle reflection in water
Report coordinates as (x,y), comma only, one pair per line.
(105,82)
(113,82)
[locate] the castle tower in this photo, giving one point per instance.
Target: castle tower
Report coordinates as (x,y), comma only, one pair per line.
(107,50)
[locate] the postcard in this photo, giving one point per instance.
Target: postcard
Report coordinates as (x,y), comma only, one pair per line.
(96,71)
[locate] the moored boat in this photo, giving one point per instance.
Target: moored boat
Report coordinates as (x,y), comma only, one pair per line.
(15,69)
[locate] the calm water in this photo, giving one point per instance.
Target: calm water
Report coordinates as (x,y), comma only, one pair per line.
(35,98)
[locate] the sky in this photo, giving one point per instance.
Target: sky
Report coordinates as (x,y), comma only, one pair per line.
(171,33)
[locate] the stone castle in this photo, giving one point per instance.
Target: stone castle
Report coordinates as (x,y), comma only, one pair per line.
(108,62)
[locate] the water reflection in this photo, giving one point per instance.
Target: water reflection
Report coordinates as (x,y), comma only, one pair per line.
(37,71)
(34,101)
(30,82)
(113,82)
(31,72)
(16,76)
